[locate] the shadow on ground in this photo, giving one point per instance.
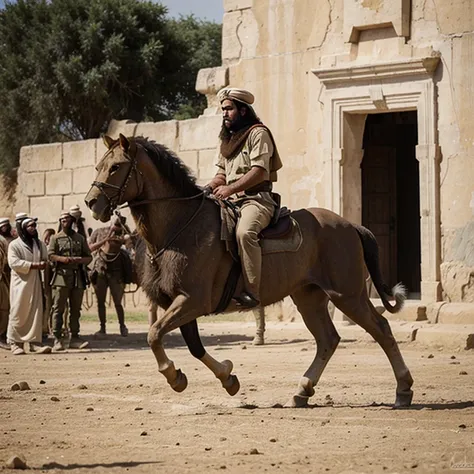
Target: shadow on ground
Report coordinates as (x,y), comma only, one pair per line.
(138,341)
(69,467)
(416,406)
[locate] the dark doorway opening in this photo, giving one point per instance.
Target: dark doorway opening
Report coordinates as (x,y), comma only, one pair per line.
(391,195)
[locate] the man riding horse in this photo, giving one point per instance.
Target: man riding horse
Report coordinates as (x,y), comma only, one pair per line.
(247,166)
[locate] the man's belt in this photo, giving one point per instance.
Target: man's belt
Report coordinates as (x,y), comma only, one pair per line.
(263,187)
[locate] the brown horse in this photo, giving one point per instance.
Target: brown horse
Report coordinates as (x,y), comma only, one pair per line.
(189,265)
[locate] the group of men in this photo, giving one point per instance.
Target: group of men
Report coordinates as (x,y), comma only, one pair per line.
(41,281)
(248,162)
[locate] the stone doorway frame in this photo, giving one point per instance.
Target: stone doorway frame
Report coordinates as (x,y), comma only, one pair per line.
(350,94)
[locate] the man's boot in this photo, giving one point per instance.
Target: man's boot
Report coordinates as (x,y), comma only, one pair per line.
(3,342)
(259,314)
(121,320)
(77,342)
(247,300)
(101,331)
(102,319)
(39,348)
(58,345)
(17,348)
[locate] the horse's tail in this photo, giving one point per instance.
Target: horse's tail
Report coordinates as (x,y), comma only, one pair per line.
(371,257)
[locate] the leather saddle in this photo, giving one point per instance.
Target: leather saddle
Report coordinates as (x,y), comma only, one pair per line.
(279,227)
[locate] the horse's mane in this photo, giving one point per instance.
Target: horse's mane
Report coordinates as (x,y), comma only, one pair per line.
(170,166)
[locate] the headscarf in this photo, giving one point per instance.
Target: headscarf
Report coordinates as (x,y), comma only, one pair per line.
(24,235)
(233,93)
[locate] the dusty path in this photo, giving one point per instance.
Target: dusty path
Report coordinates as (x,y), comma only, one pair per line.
(126,419)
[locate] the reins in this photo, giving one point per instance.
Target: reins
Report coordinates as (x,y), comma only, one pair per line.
(120,190)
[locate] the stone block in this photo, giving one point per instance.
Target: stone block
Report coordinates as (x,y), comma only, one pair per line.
(164,133)
(212,80)
(31,184)
(22,204)
(207,164)
(451,313)
(248,35)
(232,5)
(200,133)
(41,157)
(457,280)
(58,182)
(125,127)
(79,154)
(46,208)
(100,150)
(447,336)
(190,159)
(371,14)
(455,16)
(231,46)
(82,179)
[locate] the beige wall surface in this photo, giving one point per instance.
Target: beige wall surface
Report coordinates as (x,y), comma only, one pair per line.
(284,52)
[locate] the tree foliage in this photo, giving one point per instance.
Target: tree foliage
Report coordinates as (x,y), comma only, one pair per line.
(67,67)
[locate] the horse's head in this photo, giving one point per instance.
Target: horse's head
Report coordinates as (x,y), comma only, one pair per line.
(118,178)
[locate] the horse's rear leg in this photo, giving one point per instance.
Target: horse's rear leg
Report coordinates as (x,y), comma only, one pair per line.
(312,303)
(362,311)
(222,370)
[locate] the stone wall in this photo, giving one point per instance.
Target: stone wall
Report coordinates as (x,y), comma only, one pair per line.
(56,176)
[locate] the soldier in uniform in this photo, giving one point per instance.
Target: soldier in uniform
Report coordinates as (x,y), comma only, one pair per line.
(247,164)
(111,268)
(69,252)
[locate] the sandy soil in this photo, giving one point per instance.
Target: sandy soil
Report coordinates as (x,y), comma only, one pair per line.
(109,410)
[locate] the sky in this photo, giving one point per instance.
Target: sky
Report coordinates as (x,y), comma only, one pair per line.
(212,10)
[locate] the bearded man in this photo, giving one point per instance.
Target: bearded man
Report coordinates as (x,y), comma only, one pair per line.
(247,164)
(27,256)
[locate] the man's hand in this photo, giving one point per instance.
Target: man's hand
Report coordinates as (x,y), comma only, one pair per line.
(39,266)
(223,192)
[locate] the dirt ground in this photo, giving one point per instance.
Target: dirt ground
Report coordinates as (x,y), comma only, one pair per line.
(108,410)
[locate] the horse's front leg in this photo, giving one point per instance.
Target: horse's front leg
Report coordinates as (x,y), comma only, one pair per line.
(180,312)
(222,370)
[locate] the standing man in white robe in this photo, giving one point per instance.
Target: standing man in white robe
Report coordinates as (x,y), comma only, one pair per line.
(27,256)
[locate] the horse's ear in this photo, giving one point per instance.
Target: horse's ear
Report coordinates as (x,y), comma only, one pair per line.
(124,143)
(108,141)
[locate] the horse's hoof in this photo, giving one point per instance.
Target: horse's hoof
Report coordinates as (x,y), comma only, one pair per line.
(403,400)
(232,385)
(228,368)
(180,382)
(297,401)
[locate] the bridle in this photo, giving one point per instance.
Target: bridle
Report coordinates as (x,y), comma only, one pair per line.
(114,199)
(119,191)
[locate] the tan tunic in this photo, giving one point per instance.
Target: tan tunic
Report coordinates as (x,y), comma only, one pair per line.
(258,150)
(26,293)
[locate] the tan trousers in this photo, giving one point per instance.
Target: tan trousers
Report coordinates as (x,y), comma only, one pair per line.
(254,218)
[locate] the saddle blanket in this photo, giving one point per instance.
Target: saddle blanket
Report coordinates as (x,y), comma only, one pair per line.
(290,243)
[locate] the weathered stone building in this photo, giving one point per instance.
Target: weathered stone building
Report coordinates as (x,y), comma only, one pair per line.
(371,105)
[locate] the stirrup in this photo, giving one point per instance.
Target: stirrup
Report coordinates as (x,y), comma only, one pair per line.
(247,300)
